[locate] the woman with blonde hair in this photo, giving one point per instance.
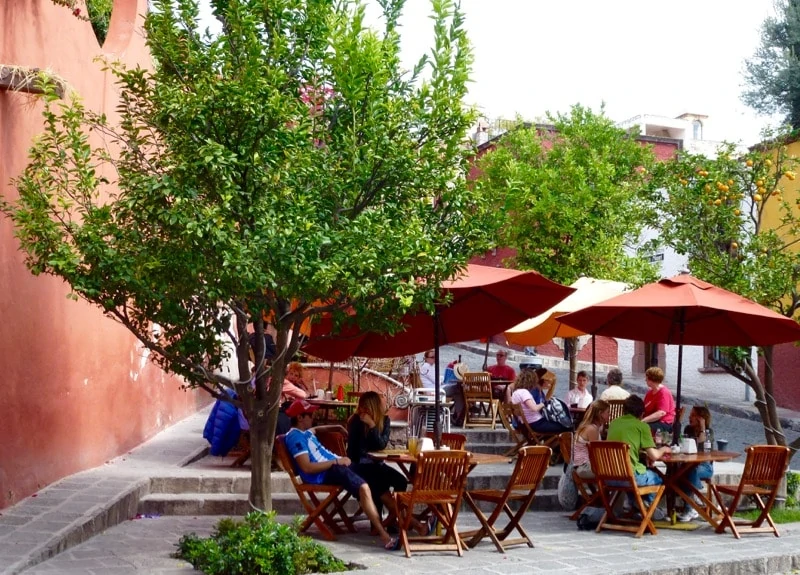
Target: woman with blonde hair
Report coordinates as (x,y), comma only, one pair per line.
(590,429)
(368,430)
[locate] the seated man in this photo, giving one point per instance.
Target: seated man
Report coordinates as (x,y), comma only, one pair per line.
(319,466)
(630,429)
(579,396)
(502,371)
(615,389)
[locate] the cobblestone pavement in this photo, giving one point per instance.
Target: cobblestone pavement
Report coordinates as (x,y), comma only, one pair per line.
(144,547)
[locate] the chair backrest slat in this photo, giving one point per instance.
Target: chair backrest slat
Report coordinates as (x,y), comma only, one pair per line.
(765,465)
(532,463)
(287,461)
(565,442)
(456,441)
(477,384)
(610,461)
(615,408)
(441,471)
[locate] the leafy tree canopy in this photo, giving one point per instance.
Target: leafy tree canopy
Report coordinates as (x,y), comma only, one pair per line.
(735,218)
(772,74)
(571,196)
(286,167)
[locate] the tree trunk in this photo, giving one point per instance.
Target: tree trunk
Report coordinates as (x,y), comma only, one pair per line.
(261,462)
(761,402)
(772,409)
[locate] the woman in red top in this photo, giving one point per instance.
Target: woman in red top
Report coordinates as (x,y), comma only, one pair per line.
(659,405)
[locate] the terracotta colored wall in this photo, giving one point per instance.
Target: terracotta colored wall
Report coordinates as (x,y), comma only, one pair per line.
(76,388)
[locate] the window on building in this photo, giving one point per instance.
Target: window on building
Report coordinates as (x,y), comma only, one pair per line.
(697,130)
(711,353)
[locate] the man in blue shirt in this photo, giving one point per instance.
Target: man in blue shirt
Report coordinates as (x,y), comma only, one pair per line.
(319,466)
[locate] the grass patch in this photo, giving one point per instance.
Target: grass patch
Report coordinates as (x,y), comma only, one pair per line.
(778,515)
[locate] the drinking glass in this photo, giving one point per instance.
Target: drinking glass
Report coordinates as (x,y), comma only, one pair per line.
(413,445)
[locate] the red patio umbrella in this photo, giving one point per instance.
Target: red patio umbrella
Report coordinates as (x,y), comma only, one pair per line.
(485,301)
(684,310)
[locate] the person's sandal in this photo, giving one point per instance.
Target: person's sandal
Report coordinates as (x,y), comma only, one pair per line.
(393,544)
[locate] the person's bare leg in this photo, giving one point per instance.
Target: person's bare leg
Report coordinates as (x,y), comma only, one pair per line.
(365,499)
(390,504)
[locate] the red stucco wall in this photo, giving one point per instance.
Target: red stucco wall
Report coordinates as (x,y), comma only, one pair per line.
(76,388)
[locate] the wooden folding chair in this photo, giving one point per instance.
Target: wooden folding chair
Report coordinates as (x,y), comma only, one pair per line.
(587,488)
(615,408)
(333,438)
(532,464)
(452,440)
(477,388)
(506,413)
(439,486)
(324,504)
(614,475)
(764,469)
(534,437)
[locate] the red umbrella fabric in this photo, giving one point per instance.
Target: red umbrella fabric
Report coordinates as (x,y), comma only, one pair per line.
(706,314)
(684,310)
(485,301)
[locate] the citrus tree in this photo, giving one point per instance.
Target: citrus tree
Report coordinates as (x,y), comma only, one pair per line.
(570,198)
(281,169)
(713,211)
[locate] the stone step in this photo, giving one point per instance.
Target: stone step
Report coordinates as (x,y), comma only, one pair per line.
(237,483)
(236,504)
(495,448)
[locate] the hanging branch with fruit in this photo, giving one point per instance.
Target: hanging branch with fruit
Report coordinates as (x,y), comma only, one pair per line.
(736,219)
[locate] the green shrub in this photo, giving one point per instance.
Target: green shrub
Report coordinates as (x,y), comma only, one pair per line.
(792,483)
(259,545)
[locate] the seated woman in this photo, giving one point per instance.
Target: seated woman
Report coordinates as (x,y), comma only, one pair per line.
(699,426)
(659,405)
(589,430)
(368,430)
(530,392)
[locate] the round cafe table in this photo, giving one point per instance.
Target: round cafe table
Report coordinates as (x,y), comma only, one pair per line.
(675,482)
(404,459)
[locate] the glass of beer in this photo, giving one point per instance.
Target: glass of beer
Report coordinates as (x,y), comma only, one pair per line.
(413,445)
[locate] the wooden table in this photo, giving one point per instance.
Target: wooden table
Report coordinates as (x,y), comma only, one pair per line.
(678,465)
(577,414)
(504,383)
(405,460)
(328,404)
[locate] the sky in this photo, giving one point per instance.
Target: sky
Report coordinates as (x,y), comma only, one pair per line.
(636,56)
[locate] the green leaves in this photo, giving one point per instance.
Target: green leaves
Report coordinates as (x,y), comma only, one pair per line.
(572,198)
(286,166)
(732,218)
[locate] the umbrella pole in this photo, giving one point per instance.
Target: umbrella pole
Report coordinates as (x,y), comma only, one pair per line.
(676,424)
(594,368)
(437,429)
(486,354)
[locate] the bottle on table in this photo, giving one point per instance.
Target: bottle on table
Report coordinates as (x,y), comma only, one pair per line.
(708,442)
(658,438)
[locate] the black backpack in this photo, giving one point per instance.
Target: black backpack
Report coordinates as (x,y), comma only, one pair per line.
(557,411)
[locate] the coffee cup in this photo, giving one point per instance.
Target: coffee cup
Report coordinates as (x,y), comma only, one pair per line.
(722,444)
(328,395)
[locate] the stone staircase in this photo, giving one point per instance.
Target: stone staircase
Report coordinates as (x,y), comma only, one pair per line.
(210,486)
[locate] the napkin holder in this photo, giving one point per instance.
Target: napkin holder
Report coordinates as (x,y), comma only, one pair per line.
(688,446)
(426,444)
